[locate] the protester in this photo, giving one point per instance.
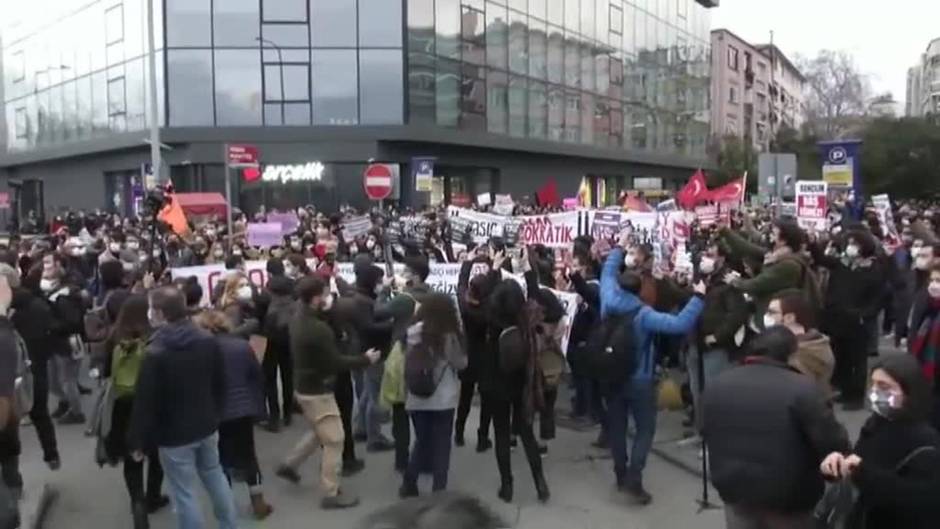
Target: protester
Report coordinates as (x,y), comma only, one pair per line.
(767,428)
(896,460)
(434,356)
(179,401)
(316,360)
(813,357)
(244,403)
(924,343)
(125,349)
(237,302)
(11,486)
(471,298)
(587,402)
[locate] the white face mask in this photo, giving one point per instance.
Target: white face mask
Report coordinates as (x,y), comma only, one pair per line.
(629,260)
(707,265)
(128,267)
(370,244)
(851,251)
(77,251)
(922,262)
(236,252)
(244,293)
(328,302)
(152,318)
(769,321)
(133,245)
(934,289)
(156,254)
(47,285)
(114,247)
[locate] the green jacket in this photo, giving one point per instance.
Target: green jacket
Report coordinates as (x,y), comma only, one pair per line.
(786,273)
(316,354)
(401,308)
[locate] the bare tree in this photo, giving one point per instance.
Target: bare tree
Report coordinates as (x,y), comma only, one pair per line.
(836,93)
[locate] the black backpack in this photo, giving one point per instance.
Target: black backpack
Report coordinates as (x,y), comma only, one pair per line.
(420,366)
(610,354)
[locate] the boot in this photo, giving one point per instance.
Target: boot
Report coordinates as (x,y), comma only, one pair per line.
(259,507)
(505,491)
(139,513)
(541,487)
(483,443)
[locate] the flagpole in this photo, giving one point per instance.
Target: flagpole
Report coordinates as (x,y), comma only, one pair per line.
(744,189)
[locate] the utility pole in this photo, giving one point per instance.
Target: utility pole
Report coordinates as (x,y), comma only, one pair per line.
(152,114)
(774,92)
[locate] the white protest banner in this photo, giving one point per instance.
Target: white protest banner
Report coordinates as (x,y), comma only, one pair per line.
(355,226)
(503,205)
(209,276)
(554,230)
(481,226)
(443,277)
(811,205)
(484,199)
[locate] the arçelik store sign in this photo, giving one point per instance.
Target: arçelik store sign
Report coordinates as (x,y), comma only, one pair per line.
(308,172)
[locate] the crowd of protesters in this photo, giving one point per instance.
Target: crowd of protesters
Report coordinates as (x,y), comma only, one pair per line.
(775,326)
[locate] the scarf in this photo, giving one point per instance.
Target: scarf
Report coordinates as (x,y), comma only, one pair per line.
(927,342)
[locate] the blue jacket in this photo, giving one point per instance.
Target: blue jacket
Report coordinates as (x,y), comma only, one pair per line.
(647,322)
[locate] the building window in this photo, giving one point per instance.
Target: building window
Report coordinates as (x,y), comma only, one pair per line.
(333,24)
(114,24)
(682,8)
(296,87)
(616,19)
(238,97)
(189,23)
(733,94)
(21,123)
(189,75)
(116,97)
(733,58)
(236,23)
(380,87)
(19,66)
(284,10)
(336,87)
(380,23)
(472,98)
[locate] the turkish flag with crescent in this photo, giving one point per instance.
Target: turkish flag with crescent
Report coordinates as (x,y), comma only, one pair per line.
(694,192)
(730,192)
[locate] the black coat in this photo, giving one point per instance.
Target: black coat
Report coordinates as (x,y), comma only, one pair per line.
(854,294)
(894,499)
(768,428)
(32,318)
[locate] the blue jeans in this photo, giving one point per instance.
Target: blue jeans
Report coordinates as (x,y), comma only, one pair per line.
(433,434)
(181,465)
(635,398)
(368,412)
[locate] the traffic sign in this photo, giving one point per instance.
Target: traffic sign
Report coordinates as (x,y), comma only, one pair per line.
(241,155)
(377,180)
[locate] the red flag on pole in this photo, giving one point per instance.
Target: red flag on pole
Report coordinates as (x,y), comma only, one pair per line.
(694,192)
(547,195)
(730,192)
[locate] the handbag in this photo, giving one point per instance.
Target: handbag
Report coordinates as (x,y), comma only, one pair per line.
(837,508)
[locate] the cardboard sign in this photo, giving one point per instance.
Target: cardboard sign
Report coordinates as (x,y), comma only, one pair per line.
(812,205)
(355,226)
(265,234)
(503,205)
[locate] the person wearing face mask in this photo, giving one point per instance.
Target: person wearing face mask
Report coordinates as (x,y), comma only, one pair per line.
(317,358)
(661,293)
(895,465)
(814,356)
(853,296)
(720,331)
(768,428)
(177,254)
(238,303)
(924,337)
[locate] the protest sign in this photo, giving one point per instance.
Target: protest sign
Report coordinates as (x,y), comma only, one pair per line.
(886,218)
(265,234)
(481,226)
(606,225)
(288,221)
(554,230)
(484,199)
(503,205)
(355,226)
(811,205)
(571,203)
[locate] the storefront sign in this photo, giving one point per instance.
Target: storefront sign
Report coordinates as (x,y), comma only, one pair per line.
(424,173)
(308,172)
(265,234)
(241,155)
(812,205)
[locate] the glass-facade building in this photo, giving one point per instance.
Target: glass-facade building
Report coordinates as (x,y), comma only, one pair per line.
(473,83)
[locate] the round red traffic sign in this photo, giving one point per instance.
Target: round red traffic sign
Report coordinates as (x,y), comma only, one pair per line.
(377,180)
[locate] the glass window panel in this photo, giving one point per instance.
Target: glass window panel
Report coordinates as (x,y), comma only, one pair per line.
(587,68)
(496,36)
(629,14)
(42,115)
(116,97)
(190,85)
(538,49)
(537,9)
(601,122)
(236,23)
(572,15)
(473,98)
(68,110)
(517,43)
(136,95)
(295,114)
(380,87)
(380,24)
(269,54)
(572,61)
(587,19)
(639,32)
(296,82)
(335,85)
(603,73)
(472,31)
(572,117)
(497,102)
(286,35)
(421,87)
(114,53)
(333,23)
(447,22)
(518,107)
(519,5)
(237,87)
(556,113)
(616,19)
(556,55)
(135,30)
(114,24)
(421,26)
(83,107)
(587,118)
(99,93)
(556,12)
(602,19)
(284,10)
(616,124)
(651,25)
(117,123)
(448,93)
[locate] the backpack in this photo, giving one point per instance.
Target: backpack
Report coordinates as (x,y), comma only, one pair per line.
(513,353)
(420,366)
(125,366)
(809,285)
(23,386)
(610,355)
(551,359)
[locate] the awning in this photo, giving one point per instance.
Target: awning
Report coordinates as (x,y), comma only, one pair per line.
(203,203)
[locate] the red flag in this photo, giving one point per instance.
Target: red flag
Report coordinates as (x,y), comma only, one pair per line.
(547,195)
(730,192)
(694,192)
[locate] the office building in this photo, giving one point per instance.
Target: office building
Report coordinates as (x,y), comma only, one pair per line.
(503,94)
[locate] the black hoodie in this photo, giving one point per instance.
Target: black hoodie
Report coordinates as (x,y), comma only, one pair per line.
(180,390)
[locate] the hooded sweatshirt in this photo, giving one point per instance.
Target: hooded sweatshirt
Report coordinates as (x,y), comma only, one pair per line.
(814,358)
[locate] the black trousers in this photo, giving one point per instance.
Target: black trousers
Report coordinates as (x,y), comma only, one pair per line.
(343,393)
(39,415)
(278,360)
(508,419)
(468,384)
(134,477)
(850,348)
(10,450)
(401,433)
(237,450)
(547,415)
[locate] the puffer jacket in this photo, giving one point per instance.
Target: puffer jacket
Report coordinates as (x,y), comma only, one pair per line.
(768,428)
(244,383)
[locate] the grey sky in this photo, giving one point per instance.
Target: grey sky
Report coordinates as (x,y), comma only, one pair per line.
(886,38)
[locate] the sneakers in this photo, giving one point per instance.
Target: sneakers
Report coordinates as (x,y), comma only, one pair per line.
(382,445)
(340,501)
(259,507)
(637,493)
(287,473)
(352,467)
(54,463)
(543,450)
(72,417)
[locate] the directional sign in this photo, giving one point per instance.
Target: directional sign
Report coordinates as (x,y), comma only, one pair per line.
(241,155)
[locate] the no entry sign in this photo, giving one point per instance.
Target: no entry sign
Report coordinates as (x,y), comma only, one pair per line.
(377,180)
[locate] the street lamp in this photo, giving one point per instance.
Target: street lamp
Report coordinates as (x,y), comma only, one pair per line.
(280,65)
